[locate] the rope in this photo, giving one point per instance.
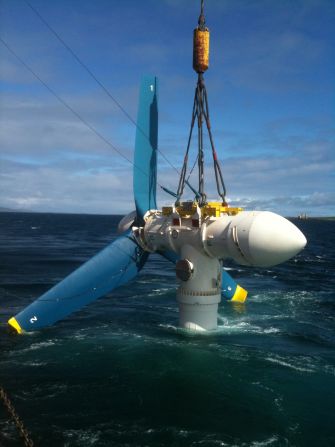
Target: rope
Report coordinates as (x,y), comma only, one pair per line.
(75,113)
(28,442)
(182,181)
(65,104)
(85,67)
(200,113)
(201,20)
(217,168)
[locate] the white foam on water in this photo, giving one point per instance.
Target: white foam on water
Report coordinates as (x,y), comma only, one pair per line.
(8,431)
(271,330)
(264,387)
(211,442)
(157,292)
(33,363)
(172,309)
(51,391)
(273,440)
(42,392)
(261,298)
(34,347)
(243,327)
(189,332)
(161,290)
(294,428)
(81,437)
(80,337)
(169,327)
(302,364)
(41,345)
(278,401)
(158,430)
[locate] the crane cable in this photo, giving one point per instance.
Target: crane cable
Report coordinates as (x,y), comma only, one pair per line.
(201,21)
(74,112)
(201,112)
(85,67)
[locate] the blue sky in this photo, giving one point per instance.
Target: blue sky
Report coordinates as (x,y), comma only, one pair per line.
(271,91)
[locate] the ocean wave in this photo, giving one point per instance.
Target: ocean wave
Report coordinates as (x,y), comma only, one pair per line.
(302,364)
(34,363)
(42,392)
(8,432)
(273,440)
(158,292)
(261,385)
(81,437)
(231,327)
(41,345)
(329,369)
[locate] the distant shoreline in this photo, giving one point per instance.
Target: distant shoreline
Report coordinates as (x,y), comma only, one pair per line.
(316,218)
(8,210)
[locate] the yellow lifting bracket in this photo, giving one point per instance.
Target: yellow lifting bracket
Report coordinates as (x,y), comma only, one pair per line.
(217,209)
(211,209)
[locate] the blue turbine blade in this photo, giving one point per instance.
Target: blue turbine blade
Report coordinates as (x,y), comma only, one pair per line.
(114,266)
(231,291)
(145,157)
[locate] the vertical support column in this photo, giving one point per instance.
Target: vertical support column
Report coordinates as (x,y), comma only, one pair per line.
(199,295)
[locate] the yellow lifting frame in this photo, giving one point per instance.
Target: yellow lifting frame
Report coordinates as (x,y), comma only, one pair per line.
(213,209)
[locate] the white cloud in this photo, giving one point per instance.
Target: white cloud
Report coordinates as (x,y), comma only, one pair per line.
(49,188)
(44,128)
(315,204)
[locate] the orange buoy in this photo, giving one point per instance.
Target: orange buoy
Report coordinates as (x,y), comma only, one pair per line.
(200,50)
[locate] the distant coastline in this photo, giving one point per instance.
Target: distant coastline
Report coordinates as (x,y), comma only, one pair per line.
(11,210)
(313,218)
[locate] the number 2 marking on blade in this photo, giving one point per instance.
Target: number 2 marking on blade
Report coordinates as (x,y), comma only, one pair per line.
(33,319)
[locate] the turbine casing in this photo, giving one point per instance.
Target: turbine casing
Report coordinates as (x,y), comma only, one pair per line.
(254,238)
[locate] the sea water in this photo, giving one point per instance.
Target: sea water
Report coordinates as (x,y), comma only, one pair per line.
(120,372)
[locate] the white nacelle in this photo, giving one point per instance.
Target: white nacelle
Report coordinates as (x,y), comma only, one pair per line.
(255,238)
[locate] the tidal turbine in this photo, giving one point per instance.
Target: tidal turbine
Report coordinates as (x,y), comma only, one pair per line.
(197,235)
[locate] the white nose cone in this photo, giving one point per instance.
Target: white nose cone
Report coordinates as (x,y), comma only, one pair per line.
(273,239)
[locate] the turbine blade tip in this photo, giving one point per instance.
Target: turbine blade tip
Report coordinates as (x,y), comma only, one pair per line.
(15,325)
(240,295)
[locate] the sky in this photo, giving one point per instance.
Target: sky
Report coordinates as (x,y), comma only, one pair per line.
(271,90)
